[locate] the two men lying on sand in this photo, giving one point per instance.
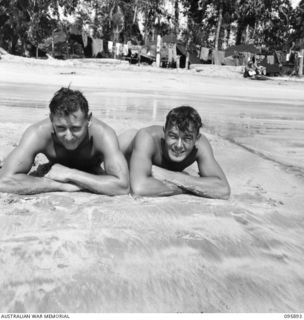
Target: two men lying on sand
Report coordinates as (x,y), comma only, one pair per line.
(85,154)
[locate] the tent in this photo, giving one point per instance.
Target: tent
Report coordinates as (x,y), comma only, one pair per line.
(271,69)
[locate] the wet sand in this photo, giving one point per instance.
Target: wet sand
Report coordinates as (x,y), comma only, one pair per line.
(82,252)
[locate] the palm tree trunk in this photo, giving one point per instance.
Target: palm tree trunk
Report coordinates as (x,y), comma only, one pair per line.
(176,15)
(135,12)
(218,29)
(247,35)
(228,35)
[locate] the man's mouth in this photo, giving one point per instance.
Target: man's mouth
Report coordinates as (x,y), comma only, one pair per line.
(70,144)
(177,153)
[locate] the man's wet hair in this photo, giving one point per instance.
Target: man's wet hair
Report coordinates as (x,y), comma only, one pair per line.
(182,117)
(67,101)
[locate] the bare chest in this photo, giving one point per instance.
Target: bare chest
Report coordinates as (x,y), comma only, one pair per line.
(83,158)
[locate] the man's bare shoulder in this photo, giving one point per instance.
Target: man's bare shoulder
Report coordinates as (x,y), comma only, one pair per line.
(41,131)
(155,133)
(148,139)
(43,126)
(98,128)
(103,135)
(203,145)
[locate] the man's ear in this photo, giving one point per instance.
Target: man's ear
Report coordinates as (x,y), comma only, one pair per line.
(51,119)
(89,118)
(198,136)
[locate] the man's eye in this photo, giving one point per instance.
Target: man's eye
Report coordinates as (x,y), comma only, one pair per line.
(75,129)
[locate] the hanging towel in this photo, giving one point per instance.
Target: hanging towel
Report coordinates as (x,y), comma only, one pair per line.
(110,46)
(118,48)
(204,54)
(97,47)
(270,59)
(218,57)
(125,49)
(84,38)
(221,56)
(172,53)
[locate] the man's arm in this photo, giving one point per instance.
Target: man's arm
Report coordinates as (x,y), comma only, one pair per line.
(212,182)
(115,181)
(142,182)
(13,174)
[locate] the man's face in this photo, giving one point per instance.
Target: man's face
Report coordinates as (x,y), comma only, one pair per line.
(179,144)
(72,129)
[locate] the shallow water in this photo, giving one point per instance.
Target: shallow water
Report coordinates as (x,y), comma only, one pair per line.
(270,126)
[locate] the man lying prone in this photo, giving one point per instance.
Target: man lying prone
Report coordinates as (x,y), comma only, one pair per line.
(76,144)
(157,157)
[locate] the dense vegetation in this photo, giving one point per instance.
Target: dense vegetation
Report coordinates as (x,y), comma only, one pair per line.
(273,24)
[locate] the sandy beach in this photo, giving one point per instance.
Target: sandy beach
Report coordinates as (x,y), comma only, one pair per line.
(81,252)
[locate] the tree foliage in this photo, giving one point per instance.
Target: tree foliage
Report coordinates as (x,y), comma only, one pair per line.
(272,23)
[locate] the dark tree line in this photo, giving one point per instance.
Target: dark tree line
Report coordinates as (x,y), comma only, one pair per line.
(272,23)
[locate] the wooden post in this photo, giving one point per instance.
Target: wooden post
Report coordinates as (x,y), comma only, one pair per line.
(187,55)
(301,63)
(53,45)
(187,60)
(177,62)
(158,46)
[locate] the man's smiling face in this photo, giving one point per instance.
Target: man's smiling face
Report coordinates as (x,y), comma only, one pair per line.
(179,144)
(71,129)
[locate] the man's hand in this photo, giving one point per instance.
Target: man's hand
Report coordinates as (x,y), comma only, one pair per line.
(166,177)
(59,173)
(70,187)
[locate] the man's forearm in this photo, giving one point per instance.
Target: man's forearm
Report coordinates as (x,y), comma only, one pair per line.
(102,184)
(154,188)
(25,184)
(209,187)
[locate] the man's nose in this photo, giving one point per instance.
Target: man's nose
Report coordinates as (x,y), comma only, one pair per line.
(179,143)
(68,135)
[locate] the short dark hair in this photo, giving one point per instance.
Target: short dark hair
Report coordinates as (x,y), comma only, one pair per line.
(182,117)
(67,101)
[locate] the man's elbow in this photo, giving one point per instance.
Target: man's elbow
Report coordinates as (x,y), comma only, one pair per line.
(225,192)
(123,187)
(138,189)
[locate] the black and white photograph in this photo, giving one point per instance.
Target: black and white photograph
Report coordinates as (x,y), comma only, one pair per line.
(151,158)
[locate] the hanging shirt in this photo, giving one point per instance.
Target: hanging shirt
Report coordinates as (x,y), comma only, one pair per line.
(84,38)
(204,54)
(110,46)
(97,47)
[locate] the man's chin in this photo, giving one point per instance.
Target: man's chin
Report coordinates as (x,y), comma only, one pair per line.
(177,158)
(70,147)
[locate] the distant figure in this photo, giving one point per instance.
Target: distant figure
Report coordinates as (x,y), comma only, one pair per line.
(236,57)
(158,155)
(253,69)
(76,144)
